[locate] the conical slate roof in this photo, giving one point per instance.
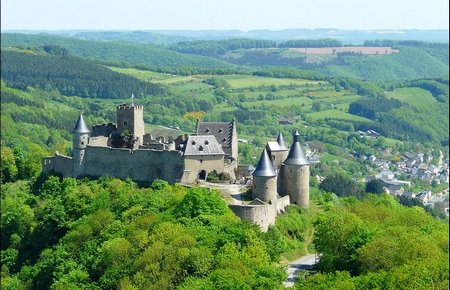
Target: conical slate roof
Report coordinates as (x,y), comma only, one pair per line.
(264,167)
(296,154)
(280,140)
(81,126)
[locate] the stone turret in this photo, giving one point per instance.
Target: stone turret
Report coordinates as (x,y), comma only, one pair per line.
(80,140)
(265,180)
(130,117)
(296,174)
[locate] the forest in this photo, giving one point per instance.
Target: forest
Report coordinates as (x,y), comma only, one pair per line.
(70,76)
(108,234)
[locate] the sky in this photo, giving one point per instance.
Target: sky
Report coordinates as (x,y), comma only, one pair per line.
(223,15)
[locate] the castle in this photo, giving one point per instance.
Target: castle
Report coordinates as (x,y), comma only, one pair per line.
(123,150)
(280,178)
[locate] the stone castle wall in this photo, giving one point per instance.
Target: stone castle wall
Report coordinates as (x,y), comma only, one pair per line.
(262,215)
(282,203)
(139,165)
(193,165)
(58,163)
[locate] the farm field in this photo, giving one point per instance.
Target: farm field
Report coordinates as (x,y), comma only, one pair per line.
(157,130)
(368,50)
(333,113)
(416,97)
(245,81)
(286,102)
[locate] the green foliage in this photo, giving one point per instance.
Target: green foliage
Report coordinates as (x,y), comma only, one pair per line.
(382,244)
(70,76)
(119,53)
(375,186)
(218,47)
(326,42)
(107,234)
(341,184)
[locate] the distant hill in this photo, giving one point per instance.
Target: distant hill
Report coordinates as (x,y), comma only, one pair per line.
(118,53)
(70,76)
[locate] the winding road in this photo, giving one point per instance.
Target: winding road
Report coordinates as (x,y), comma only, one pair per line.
(301,264)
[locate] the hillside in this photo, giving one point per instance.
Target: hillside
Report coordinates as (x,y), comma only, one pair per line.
(70,76)
(412,61)
(123,53)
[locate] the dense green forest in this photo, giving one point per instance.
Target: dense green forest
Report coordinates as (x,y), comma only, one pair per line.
(378,244)
(70,76)
(108,234)
(116,52)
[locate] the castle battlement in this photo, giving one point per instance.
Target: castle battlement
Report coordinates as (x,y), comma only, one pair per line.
(130,107)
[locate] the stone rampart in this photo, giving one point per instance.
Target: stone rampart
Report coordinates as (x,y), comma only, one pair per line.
(262,215)
(140,165)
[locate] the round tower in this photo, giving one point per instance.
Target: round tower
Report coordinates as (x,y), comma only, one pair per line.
(296,174)
(265,180)
(80,140)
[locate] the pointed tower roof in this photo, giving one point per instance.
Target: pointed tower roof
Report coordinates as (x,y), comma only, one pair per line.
(81,126)
(296,154)
(264,167)
(280,140)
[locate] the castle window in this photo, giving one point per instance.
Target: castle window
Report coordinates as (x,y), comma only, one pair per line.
(82,143)
(206,142)
(200,148)
(220,130)
(125,123)
(193,143)
(207,130)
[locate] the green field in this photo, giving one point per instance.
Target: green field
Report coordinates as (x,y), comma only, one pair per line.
(244,81)
(416,97)
(336,114)
(157,130)
(155,77)
(286,102)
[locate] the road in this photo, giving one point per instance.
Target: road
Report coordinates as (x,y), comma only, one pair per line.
(301,264)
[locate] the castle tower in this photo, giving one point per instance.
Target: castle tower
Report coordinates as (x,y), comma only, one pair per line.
(296,174)
(265,180)
(80,140)
(130,117)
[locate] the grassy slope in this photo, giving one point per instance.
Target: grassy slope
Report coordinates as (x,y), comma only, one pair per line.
(416,97)
(409,63)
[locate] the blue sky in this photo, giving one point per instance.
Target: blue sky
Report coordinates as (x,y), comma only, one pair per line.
(229,14)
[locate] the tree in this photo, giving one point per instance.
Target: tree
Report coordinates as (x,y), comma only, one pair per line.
(8,168)
(316,106)
(375,186)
